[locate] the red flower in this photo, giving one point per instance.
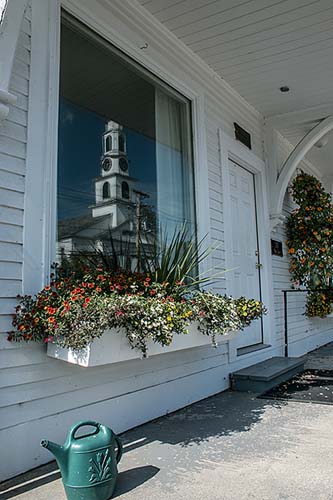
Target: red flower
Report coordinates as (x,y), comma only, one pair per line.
(48,339)
(98,289)
(152,292)
(47,288)
(91,285)
(119,313)
(87,300)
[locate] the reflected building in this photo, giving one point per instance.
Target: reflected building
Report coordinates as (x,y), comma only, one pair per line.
(118,220)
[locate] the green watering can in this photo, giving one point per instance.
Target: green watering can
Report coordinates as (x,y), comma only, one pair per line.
(88,463)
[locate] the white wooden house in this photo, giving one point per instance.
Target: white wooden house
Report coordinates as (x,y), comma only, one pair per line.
(178,75)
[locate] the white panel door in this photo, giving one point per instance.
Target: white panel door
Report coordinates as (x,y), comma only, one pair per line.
(244,275)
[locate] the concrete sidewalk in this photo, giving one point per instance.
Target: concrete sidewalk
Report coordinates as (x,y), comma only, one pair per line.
(229,447)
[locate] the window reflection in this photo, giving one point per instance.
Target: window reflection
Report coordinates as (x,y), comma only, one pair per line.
(124,162)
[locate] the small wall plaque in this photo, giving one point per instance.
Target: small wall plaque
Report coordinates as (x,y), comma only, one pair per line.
(242,135)
(276,247)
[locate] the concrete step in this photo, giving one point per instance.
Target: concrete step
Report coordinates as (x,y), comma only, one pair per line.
(267,374)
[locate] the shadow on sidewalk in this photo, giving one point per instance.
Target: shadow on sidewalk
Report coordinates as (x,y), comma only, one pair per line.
(224,414)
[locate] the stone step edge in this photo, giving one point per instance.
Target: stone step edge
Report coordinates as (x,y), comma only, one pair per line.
(266,378)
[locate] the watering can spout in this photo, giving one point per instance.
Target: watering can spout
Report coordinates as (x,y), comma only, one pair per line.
(58,451)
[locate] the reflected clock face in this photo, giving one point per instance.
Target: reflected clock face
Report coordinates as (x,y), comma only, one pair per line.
(107,164)
(123,164)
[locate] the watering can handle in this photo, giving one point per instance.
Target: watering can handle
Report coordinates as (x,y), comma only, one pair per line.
(82,424)
(120,449)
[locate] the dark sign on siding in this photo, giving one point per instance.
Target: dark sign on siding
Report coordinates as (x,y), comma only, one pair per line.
(276,247)
(242,135)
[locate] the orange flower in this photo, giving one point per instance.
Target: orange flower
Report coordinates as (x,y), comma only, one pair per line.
(51,320)
(36,320)
(303,260)
(291,250)
(319,209)
(311,263)
(323,249)
(321,265)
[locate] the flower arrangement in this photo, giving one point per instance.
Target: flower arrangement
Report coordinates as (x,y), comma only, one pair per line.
(310,241)
(74,310)
(319,304)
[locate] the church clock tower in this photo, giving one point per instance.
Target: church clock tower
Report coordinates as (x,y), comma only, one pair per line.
(113,188)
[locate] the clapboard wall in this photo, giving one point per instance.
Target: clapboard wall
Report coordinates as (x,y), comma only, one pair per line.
(40,397)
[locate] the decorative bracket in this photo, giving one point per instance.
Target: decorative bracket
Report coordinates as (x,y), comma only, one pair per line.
(280,185)
(9,34)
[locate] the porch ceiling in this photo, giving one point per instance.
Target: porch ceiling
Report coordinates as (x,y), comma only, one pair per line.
(258,46)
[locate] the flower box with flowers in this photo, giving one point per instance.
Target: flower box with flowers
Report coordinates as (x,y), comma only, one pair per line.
(94,320)
(114,347)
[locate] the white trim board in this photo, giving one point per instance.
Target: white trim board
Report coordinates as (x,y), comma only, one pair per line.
(234,150)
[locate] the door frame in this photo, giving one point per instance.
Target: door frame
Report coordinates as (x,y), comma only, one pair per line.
(230,149)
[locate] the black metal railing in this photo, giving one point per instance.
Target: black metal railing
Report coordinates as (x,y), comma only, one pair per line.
(285,308)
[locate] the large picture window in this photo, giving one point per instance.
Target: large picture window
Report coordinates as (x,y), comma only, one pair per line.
(125,169)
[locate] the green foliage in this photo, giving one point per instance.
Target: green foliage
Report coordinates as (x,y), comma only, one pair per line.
(178,260)
(319,304)
(310,237)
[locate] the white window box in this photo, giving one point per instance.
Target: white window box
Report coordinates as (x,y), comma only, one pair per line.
(113,347)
